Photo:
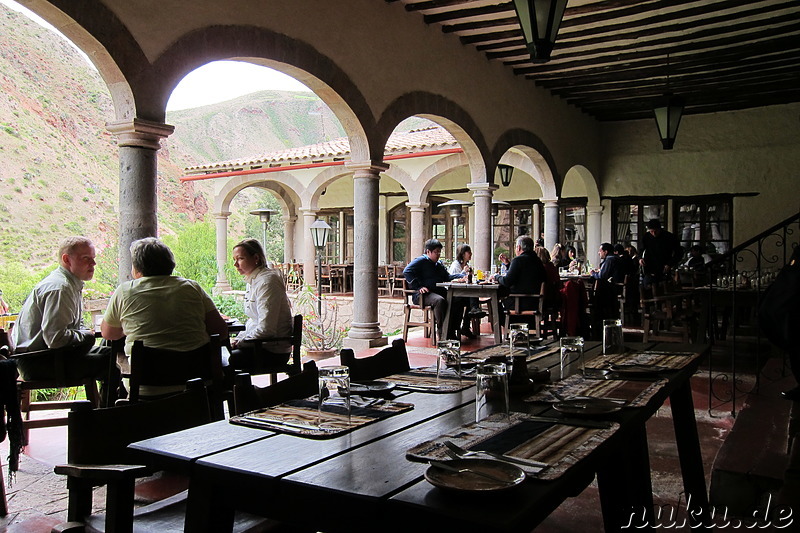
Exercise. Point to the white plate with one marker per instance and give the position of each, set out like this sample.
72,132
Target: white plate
471,482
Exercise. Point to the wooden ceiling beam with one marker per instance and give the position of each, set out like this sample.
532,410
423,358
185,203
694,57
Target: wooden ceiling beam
461,14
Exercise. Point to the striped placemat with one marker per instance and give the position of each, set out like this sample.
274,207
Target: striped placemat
636,393
668,360
558,445
426,381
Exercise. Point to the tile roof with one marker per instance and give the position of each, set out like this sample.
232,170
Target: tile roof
405,142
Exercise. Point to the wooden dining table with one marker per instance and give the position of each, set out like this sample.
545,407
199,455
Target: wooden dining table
361,481
476,290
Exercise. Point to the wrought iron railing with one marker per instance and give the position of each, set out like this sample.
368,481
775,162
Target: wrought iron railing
737,283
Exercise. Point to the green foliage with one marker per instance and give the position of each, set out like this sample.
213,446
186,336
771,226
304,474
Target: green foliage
106,270
230,307
17,282
64,195
195,253
74,227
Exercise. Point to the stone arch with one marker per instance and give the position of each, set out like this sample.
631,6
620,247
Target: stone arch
107,43
267,48
537,160
447,114
585,176
310,195
427,177
282,183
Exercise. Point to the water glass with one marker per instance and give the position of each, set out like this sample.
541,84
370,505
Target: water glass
491,392
612,337
334,391
571,356
449,356
518,339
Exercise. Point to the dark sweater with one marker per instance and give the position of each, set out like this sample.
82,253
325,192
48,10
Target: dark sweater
422,272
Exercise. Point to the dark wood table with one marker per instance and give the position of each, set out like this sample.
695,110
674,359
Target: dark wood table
361,481
475,290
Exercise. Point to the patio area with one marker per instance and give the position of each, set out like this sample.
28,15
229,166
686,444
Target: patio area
38,498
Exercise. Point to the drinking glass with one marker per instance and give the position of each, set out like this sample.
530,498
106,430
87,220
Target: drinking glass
571,356
518,338
612,337
491,393
334,391
449,356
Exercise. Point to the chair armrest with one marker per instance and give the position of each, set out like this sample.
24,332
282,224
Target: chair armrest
102,472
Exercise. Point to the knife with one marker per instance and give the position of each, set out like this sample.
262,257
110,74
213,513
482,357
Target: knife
599,424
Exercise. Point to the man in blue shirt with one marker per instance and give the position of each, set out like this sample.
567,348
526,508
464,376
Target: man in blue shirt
422,275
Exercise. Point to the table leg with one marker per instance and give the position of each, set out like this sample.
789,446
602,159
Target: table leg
626,492
446,326
691,460
498,333
205,509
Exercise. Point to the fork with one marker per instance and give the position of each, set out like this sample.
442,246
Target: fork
451,468
461,452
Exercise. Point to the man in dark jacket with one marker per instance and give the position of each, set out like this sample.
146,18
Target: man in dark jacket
525,274
661,253
422,275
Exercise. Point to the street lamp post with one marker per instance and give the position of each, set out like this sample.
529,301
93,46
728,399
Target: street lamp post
263,215
319,236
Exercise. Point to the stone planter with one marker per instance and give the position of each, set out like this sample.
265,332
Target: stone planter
319,355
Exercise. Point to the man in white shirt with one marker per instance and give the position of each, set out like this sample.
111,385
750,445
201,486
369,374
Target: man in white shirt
51,318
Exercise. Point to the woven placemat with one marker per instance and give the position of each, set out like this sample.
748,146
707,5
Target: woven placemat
302,418
423,380
668,360
517,435
636,393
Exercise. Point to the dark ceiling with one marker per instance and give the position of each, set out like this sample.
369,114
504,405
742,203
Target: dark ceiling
610,58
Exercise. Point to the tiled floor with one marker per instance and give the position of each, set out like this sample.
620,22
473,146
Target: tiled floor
37,499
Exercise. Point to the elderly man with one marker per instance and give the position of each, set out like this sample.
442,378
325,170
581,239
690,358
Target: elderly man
160,309
525,273
422,275
51,317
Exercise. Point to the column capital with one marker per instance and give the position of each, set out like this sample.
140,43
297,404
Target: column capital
550,202
366,169
140,133
594,209
289,218
307,211
482,189
222,214
419,208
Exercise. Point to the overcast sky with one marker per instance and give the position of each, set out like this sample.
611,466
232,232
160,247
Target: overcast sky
211,83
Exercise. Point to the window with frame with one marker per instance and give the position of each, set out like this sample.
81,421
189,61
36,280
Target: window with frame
706,222
629,219
510,222
572,225
398,247
449,225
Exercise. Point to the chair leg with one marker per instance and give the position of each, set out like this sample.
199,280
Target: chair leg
406,318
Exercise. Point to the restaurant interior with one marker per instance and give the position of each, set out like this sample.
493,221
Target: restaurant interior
576,122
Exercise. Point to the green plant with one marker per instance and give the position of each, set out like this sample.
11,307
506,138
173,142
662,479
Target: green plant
230,307
320,331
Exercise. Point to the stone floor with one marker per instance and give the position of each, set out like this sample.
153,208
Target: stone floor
37,497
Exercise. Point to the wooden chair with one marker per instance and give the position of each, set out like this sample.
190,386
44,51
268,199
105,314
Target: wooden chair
262,365
391,360
158,367
248,397
519,310
658,316
98,454
428,319
397,280
26,387
384,280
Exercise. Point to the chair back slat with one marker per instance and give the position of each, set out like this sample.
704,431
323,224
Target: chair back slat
391,360
248,397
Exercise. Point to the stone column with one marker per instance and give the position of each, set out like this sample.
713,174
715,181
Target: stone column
550,222
288,238
139,142
594,221
365,331
537,221
222,252
309,253
482,245
416,227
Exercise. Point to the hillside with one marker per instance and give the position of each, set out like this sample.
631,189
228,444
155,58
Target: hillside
59,171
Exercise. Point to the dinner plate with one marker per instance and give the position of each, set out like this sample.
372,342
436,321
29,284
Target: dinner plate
636,369
508,475
587,407
365,388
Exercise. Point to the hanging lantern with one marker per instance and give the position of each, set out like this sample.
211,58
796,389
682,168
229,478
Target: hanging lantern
668,111
506,171
539,21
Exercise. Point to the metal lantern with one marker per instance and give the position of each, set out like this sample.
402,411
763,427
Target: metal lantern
668,111
539,21
319,233
506,172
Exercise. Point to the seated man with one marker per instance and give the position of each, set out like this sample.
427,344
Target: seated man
611,267
422,275
160,309
610,276
525,274
51,317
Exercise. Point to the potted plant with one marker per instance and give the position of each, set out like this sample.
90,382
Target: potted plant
322,334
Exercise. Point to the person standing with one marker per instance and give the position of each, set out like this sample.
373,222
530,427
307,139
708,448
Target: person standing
422,275
52,317
661,252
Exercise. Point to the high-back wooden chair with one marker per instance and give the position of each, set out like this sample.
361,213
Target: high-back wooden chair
248,397
428,320
391,360
527,308
385,275
263,365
